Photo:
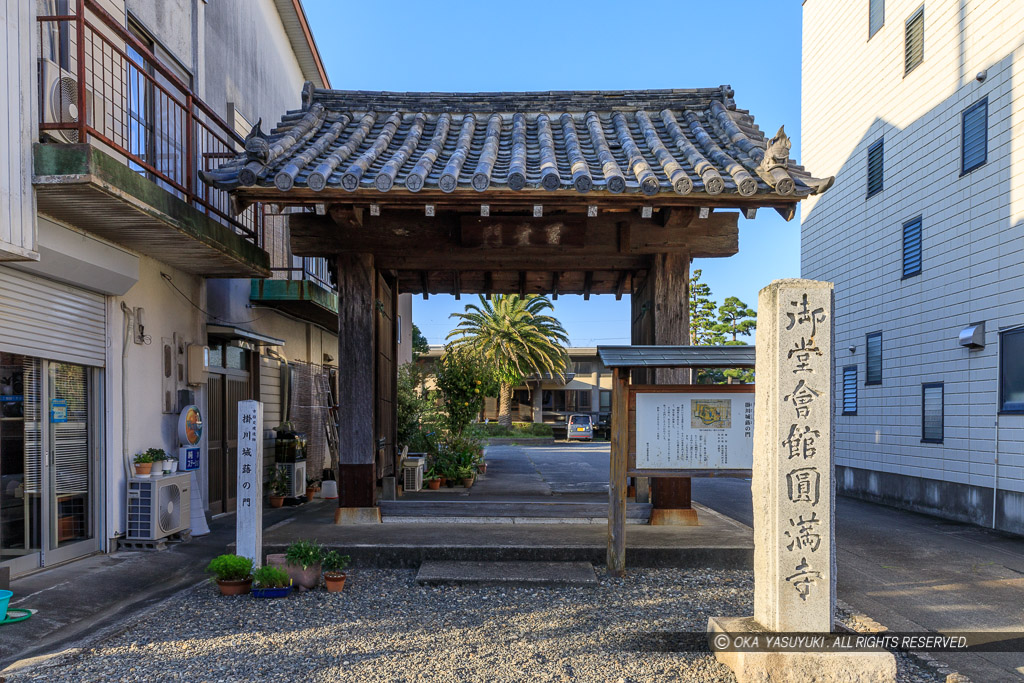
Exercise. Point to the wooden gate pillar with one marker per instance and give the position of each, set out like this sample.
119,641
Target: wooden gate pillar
357,479
669,286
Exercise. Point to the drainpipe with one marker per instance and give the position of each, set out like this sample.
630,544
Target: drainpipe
995,473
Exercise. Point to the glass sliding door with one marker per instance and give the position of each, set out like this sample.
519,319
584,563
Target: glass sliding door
21,462
48,461
71,448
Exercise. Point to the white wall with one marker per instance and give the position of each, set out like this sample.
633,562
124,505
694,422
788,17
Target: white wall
18,128
166,312
855,92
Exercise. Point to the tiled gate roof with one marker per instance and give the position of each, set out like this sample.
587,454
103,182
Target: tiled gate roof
652,142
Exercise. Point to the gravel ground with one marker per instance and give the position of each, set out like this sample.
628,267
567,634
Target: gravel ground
384,627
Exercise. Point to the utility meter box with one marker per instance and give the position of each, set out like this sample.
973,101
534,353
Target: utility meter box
198,363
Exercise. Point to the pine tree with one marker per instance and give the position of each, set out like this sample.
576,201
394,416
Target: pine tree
735,319
702,314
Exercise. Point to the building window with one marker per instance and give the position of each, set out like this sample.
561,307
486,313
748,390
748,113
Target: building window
931,412
1011,371
914,47
850,390
873,372
583,367
974,137
912,247
876,163
606,400
876,16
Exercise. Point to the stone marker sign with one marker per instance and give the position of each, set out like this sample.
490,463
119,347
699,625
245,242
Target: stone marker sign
249,517
792,485
794,585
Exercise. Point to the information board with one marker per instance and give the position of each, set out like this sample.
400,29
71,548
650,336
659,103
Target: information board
700,431
249,516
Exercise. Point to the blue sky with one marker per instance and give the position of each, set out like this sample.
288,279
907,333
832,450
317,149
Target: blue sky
598,45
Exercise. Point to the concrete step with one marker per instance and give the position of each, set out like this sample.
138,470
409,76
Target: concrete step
506,512
439,572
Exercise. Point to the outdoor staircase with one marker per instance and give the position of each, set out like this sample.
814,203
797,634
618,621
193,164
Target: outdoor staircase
506,512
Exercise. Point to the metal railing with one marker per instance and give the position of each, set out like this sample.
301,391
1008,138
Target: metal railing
100,83
312,269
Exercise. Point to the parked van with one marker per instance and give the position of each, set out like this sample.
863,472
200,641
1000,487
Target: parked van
579,427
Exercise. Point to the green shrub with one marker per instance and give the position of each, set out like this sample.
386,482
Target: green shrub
464,381
230,567
518,429
304,553
271,577
334,563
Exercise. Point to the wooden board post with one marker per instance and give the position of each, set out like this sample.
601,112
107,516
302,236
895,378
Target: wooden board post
617,482
249,518
357,481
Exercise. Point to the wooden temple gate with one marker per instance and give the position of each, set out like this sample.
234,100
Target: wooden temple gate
528,193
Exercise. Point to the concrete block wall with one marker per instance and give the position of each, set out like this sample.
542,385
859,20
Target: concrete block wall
855,92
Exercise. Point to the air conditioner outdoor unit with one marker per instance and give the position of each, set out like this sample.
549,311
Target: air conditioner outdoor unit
158,507
412,474
294,478
58,95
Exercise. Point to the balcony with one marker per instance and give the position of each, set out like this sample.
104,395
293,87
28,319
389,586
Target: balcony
125,139
301,287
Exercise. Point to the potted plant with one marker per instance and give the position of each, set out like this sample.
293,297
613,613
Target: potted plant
233,574
312,486
481,466
334,565
302,562
466,475
433,479
271,582
278,487
143,464
161,461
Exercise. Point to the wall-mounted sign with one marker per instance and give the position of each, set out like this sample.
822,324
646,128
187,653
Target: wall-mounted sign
190,426
682,431
58,410
188,458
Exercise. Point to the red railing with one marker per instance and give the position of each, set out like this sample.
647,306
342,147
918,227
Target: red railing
100,83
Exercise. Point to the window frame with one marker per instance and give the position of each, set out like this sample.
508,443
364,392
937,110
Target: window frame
983,103
871,34
925,386
867,359
856,397
1003,410
919,12
920,238
880,145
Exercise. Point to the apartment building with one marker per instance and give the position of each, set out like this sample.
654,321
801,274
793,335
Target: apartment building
917,108
129,289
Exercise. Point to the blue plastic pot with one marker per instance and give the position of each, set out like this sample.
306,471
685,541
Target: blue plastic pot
271,592
5,598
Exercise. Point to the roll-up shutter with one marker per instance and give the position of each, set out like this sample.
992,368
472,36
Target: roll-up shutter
46,319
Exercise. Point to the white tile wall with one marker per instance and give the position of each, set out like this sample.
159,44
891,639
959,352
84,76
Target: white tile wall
855,91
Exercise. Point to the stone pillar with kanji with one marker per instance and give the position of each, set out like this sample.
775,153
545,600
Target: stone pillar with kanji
794,544
793,497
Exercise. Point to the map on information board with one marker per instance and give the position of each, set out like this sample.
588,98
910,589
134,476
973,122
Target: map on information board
694,431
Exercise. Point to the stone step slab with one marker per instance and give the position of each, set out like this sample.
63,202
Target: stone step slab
461,573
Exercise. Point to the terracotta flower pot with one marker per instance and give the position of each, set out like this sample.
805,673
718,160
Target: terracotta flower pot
143,469
310,493
434,484
304,579
276,501
441,481
240,587
334,582
481,468
467,482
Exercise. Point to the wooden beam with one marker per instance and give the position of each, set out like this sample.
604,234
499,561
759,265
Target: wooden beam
356,377
554,285
588,282
504,232
457,284
616,558
522,283
488,284
425,284
620,286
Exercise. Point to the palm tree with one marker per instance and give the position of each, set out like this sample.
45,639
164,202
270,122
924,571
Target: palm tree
516,337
